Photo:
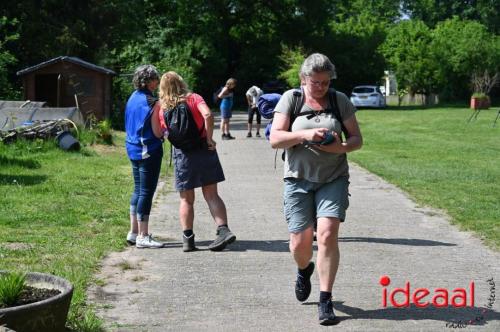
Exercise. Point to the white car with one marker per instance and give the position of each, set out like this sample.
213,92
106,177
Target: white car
367,96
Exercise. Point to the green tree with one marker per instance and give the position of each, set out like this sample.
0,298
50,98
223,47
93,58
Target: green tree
358,29
409,54
181,59
7,59
432,12
465,48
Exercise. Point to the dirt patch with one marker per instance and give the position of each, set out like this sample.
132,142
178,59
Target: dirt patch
17,246
103,149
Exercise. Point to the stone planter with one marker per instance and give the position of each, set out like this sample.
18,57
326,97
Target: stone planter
43,316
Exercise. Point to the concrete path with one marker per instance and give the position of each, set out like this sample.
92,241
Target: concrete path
249,286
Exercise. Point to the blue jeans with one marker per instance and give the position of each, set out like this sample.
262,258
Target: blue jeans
145,173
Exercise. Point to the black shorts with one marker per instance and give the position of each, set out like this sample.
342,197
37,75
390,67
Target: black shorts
251,111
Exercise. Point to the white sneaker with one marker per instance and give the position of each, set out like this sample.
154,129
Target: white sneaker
147,241
131,237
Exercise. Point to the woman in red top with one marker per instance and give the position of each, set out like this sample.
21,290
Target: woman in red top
195,168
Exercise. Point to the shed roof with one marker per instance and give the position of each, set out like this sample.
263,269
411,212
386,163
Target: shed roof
71,59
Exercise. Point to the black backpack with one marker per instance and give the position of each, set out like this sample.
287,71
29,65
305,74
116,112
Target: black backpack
183,132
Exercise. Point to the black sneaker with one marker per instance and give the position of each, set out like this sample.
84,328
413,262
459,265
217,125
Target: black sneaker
326,315
188,243
228,136
303,283
224,136
257,134
249,134
223,238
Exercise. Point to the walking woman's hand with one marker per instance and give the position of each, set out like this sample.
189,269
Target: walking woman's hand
334,147
315,134
211,144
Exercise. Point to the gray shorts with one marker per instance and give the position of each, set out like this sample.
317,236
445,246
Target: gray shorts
305,201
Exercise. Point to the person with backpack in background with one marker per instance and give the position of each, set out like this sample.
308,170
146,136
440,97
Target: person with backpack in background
144,144
190,124
226,106
253,94
316,173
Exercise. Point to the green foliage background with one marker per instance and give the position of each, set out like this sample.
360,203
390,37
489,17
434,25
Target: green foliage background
433,46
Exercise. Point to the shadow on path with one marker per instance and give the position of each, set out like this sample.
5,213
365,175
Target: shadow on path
282,245
475,315
405,242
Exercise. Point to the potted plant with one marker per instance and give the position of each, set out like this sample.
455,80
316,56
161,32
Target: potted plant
34,301
479,100
482,83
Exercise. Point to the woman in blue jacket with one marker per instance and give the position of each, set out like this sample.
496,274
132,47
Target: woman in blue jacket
144,145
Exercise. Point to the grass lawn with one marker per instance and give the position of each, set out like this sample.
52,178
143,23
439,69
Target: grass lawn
440,160
60,212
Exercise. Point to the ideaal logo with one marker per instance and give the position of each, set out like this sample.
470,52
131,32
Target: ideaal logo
423,297
440,298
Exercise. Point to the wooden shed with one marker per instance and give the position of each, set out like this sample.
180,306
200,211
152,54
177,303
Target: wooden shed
68,82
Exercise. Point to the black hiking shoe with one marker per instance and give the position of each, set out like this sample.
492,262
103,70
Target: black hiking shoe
326,315
188,243
303,283
223,238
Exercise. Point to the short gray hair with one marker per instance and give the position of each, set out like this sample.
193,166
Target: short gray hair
317,63
143,75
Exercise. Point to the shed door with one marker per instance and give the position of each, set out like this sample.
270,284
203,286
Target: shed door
46,88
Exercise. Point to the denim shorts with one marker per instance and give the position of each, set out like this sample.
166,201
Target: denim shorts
305,201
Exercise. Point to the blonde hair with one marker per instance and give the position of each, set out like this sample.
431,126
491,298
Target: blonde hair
173,90
231,83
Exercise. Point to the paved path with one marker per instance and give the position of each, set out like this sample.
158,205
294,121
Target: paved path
249,286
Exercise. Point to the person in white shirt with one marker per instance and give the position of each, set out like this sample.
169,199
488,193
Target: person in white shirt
253,95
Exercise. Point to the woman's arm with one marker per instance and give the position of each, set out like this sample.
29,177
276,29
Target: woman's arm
209,124
282,138
155,121
250,101
224,92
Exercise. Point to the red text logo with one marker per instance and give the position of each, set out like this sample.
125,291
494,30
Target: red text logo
423,297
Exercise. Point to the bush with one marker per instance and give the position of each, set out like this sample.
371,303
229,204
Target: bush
104,133
98,132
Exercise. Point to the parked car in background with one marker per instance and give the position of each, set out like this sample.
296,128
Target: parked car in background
368,96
